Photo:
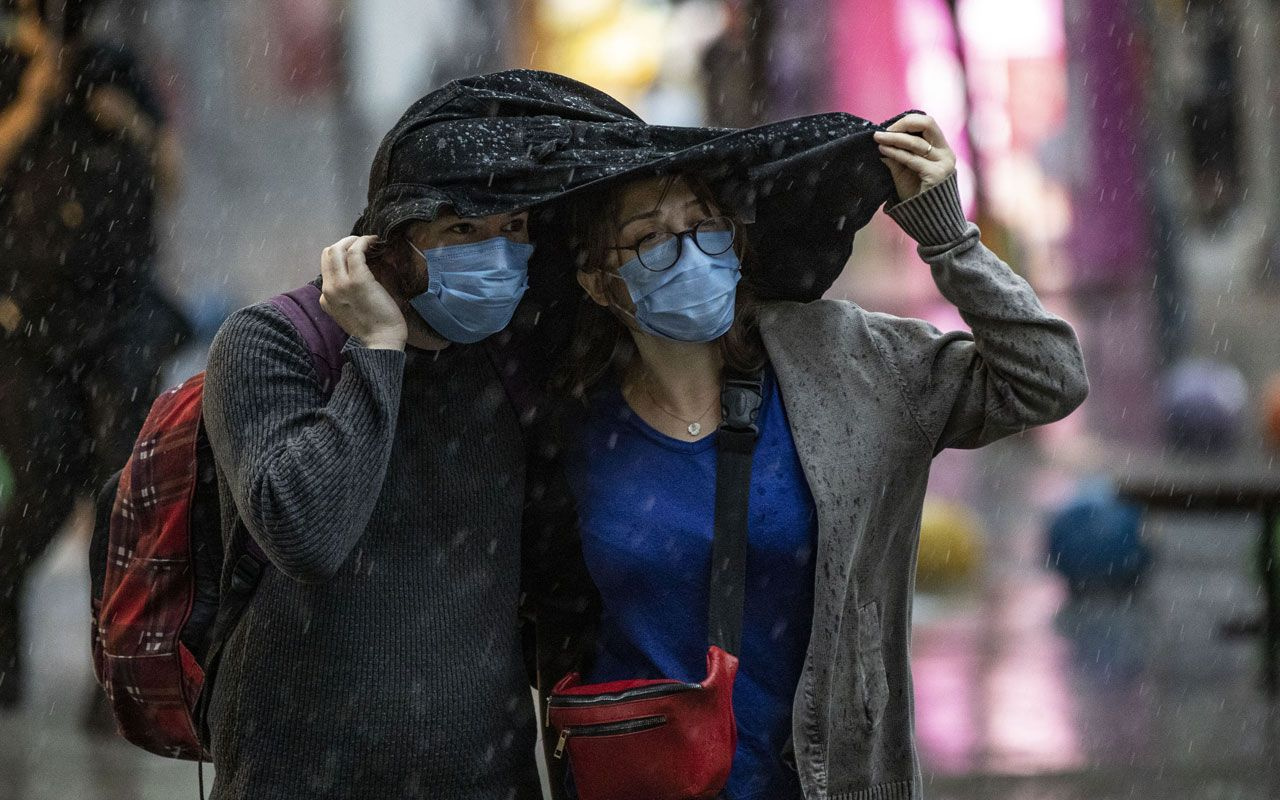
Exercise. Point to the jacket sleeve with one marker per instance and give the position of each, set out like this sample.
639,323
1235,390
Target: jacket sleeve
304,470
1020,367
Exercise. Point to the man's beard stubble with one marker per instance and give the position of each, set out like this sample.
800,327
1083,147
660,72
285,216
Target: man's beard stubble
405,280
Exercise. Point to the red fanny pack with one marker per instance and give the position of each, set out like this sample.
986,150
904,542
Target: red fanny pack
667,739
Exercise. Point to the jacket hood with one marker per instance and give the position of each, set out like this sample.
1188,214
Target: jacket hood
522,139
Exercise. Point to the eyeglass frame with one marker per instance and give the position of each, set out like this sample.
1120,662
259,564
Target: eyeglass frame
679,237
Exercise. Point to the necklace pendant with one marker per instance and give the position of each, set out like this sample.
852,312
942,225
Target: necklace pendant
695,428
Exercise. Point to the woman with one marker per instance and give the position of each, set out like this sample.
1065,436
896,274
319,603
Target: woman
856,405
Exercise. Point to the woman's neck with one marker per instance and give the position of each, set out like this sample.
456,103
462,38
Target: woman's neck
682,377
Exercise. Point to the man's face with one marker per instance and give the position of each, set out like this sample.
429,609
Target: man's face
449,229
406,281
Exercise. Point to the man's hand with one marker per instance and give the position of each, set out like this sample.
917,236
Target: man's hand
917,162
353,297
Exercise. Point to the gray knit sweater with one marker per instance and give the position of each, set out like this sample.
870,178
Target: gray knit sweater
380,656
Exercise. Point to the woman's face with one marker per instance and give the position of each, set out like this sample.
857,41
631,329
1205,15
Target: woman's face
645,207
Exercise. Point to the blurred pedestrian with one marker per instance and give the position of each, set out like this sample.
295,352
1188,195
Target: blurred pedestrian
85,153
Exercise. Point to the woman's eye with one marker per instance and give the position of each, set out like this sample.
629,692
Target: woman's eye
462,228
514,226
646,239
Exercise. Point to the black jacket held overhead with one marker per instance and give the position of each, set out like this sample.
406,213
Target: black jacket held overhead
523,138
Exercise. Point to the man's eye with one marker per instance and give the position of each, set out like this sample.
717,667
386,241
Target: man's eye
515,226
462,228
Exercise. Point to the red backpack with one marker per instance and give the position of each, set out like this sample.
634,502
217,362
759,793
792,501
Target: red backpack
157,555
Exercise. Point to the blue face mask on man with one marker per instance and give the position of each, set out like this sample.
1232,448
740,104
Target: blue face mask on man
693,299
473,289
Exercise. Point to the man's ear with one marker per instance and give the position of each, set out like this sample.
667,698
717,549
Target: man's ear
398,267
593,284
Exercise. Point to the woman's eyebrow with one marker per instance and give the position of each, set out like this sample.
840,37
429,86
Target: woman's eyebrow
643,215
655,212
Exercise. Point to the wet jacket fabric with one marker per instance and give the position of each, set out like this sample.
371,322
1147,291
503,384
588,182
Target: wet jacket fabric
516,139
871,398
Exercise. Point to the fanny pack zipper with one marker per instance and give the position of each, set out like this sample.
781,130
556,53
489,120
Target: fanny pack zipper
608,729
660,690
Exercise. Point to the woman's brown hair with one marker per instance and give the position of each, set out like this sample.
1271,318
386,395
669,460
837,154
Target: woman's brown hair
600,341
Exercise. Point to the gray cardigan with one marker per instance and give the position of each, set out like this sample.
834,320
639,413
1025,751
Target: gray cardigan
871,399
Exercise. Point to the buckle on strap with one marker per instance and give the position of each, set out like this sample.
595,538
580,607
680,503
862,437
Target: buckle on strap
740,401
245,574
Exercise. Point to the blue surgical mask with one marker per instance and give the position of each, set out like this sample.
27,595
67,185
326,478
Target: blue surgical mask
473,289
690,301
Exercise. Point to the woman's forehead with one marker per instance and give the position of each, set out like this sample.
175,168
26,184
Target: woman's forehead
647,193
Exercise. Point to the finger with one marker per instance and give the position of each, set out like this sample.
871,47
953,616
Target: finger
340,252
922,124
909,142
327,276
913,123
895,169
332,268
920,165
358,258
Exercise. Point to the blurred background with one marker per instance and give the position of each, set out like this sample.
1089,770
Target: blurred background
1072,640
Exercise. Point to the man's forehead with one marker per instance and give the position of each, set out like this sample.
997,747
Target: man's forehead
448,216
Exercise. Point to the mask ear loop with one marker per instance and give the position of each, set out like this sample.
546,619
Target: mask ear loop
631,315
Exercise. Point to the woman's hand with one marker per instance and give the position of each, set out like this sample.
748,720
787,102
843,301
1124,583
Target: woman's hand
353,297
917,162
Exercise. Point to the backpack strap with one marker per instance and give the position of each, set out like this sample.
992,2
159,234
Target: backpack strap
324,339
740,400
321,333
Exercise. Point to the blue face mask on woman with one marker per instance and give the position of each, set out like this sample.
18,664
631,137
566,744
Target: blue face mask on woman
693,299
473,289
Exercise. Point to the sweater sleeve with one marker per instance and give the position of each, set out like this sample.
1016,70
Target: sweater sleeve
304,470
1020,367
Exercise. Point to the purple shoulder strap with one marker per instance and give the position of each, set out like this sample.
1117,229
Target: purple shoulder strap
324,339
323,336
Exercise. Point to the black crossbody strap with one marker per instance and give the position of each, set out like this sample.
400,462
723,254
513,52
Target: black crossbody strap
740,401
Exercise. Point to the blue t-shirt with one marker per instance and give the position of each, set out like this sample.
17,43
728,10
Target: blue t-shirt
647,503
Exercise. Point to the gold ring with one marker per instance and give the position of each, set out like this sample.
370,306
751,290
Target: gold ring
930,150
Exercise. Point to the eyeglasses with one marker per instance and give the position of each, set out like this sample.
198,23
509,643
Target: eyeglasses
660,250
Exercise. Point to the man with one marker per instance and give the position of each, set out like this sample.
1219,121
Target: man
380,656
83,332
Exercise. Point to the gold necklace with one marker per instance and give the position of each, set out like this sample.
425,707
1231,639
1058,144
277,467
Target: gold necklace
694,426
